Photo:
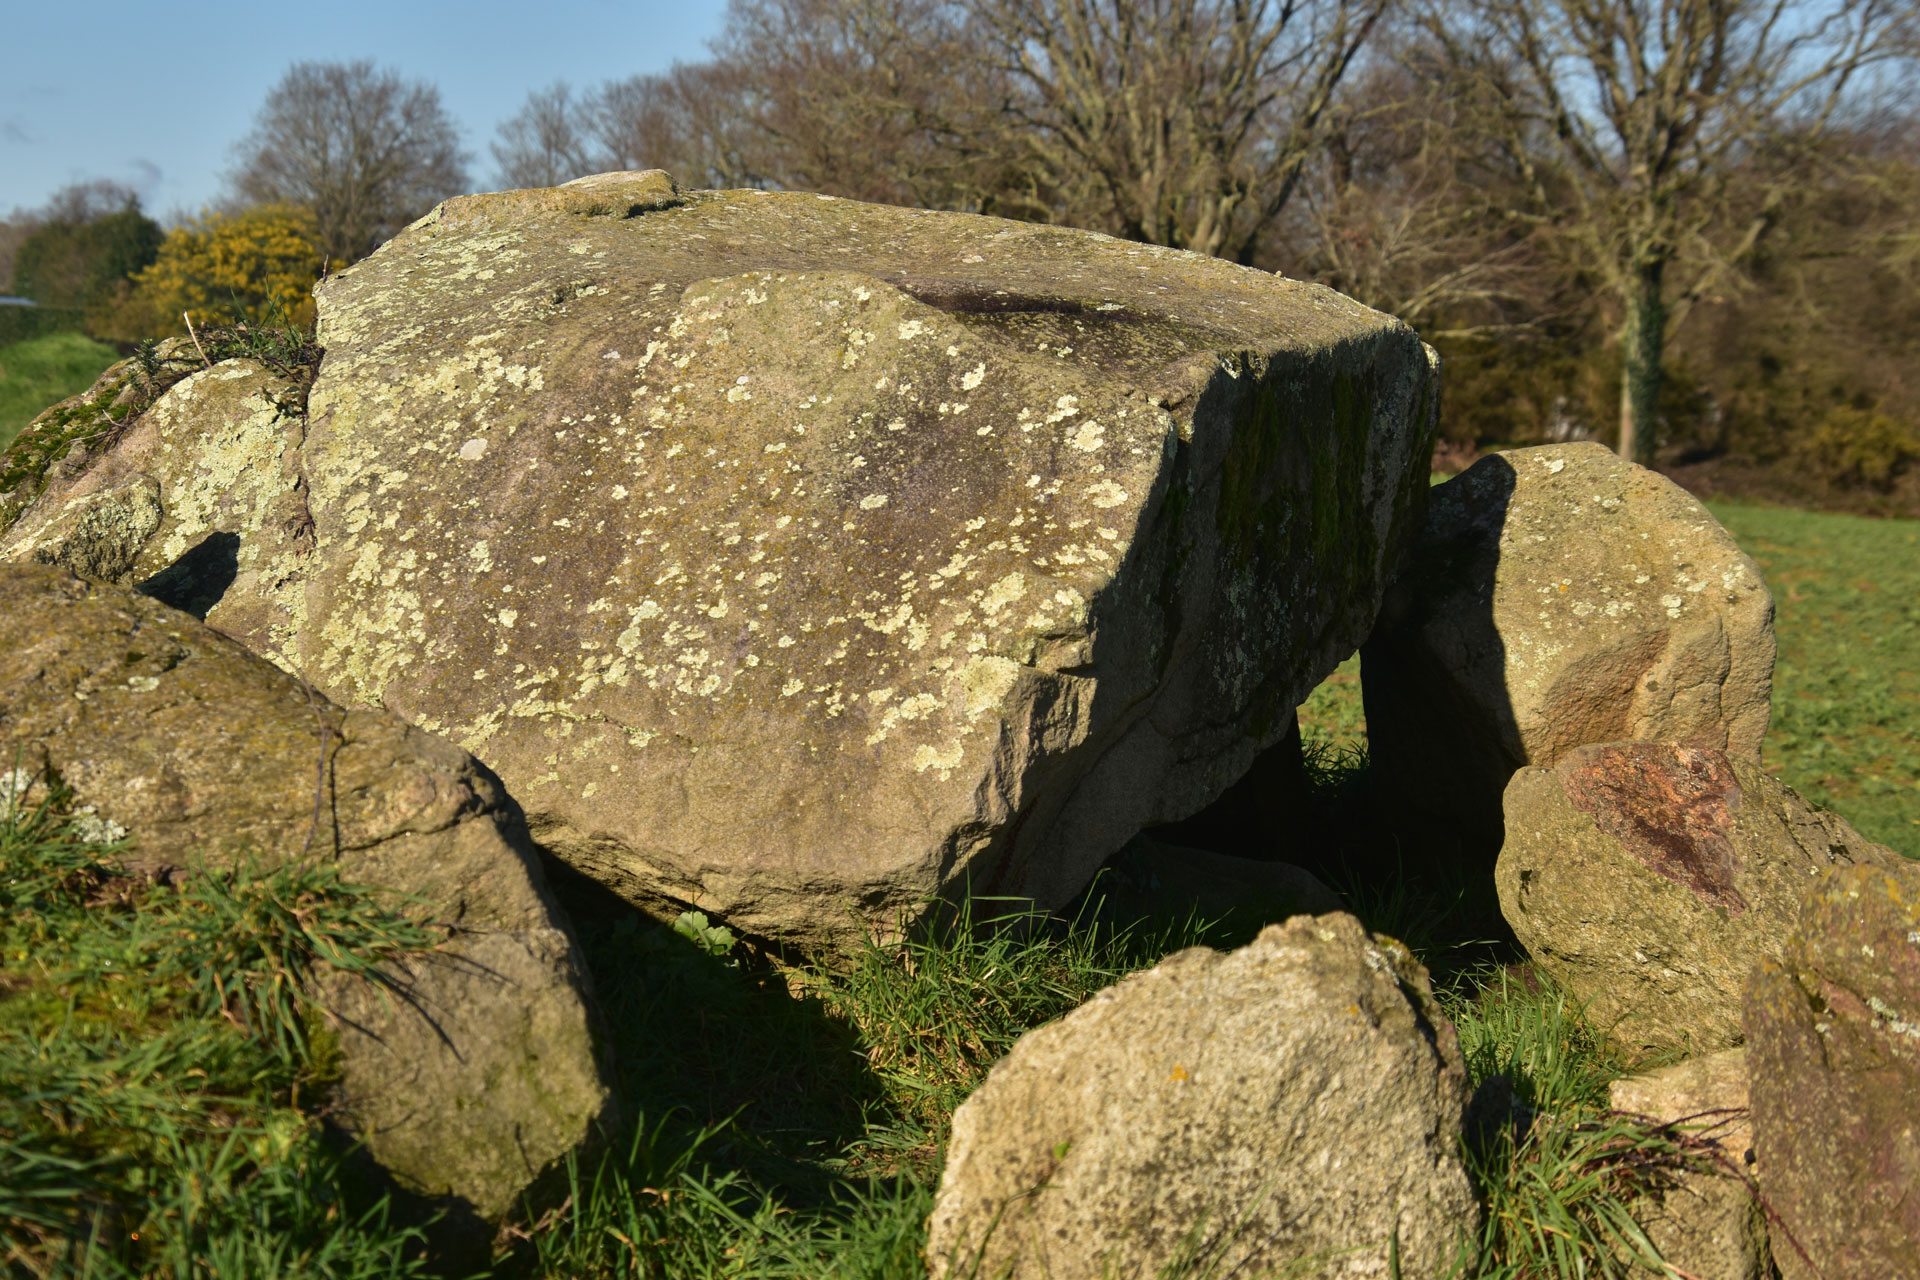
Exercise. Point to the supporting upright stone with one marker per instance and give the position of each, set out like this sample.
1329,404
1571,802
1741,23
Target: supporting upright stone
1559,596
1649,879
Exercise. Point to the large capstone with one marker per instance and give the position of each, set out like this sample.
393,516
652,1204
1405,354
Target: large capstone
801,560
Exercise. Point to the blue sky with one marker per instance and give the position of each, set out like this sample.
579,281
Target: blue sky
156,97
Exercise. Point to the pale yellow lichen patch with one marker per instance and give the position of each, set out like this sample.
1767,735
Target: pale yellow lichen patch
234,475
1004,592
942,758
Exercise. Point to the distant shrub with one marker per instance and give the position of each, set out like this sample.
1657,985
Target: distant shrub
79,264
24,324
1861,447
247,268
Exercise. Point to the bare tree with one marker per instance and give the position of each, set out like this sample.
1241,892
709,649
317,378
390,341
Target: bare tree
1399,209
1178,122
1628,120
544,143
694,121
882,100
364,149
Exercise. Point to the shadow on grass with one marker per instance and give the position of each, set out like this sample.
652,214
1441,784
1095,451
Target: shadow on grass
800,1114
721,1047
1426,882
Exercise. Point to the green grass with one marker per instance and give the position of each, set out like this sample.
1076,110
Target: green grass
1846,687
160,1070
44,371
797,1115
155,1047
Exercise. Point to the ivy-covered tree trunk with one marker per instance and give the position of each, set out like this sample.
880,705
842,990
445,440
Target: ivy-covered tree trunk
1643,342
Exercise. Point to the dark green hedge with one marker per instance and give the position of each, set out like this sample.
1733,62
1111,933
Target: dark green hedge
18,324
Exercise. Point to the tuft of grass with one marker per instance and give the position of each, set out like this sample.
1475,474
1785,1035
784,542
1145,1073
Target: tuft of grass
155,1044
1561,1176
281,343
44,371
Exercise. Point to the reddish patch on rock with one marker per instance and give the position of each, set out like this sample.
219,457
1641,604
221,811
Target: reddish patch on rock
1668,806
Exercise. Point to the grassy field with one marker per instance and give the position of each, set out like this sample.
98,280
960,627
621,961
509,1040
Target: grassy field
783,1121
1846,687
45,371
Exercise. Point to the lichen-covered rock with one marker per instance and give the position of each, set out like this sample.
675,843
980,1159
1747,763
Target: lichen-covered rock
798,559
198,497
1292,1107
66,438
1649,878
1559,596
1707,1222
1833,1048
484,1074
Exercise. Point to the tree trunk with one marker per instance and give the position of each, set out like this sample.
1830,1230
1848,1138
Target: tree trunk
1643,343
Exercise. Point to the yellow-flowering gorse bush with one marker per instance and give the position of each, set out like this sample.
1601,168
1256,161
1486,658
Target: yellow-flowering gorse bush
254,267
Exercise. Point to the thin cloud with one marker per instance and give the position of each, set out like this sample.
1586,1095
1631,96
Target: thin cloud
15,132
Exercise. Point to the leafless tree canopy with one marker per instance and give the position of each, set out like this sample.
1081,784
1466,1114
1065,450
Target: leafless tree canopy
1184,122
543,144
691,120
365,149
1628,121
1570,182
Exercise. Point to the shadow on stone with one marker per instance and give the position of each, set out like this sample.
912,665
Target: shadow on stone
199,578
1439,758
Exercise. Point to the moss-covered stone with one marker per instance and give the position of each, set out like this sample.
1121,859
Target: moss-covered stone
473,1076
1833,1029
65,437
